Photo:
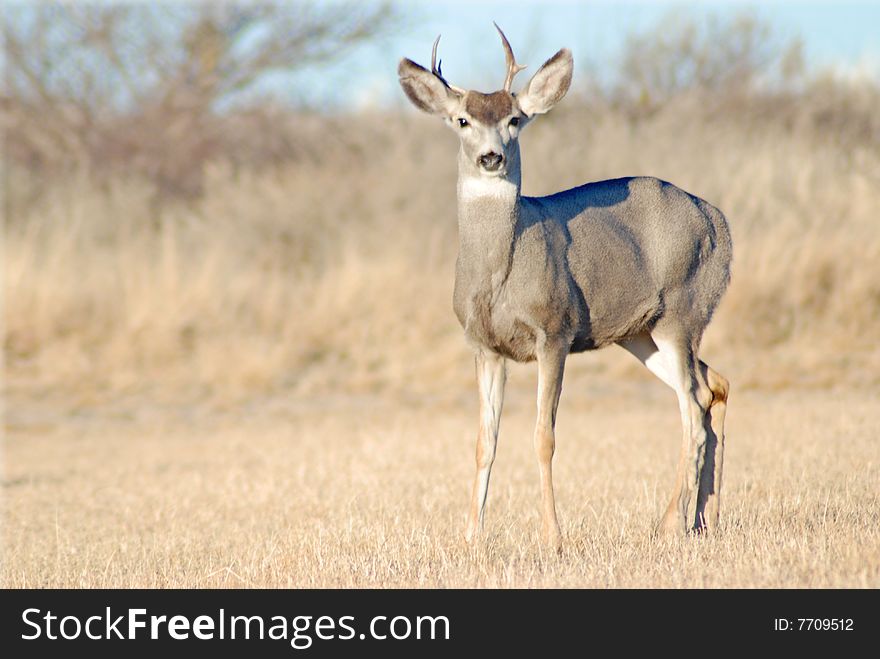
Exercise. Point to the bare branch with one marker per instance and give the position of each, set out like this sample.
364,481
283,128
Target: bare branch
145,86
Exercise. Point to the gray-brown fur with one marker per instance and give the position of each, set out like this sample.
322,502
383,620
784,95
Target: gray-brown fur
635,262
488,108
592,265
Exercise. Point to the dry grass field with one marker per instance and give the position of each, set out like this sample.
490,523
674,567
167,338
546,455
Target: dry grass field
370,491
266,385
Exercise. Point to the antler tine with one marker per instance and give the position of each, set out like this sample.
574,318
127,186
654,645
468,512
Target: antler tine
435,68
512,67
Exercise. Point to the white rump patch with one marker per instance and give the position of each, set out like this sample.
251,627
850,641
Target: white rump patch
484,186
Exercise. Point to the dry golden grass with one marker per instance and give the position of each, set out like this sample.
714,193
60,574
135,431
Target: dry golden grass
268,387
370,491
338,274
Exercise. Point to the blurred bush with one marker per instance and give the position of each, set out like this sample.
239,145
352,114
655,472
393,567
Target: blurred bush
161,89
737,69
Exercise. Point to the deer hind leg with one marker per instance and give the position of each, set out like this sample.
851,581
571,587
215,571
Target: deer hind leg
491,376
551,365
709,496
673,361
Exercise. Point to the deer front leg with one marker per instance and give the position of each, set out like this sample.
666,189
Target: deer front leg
491,375
551,364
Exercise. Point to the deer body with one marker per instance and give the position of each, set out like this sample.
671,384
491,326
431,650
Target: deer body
635,262
593,265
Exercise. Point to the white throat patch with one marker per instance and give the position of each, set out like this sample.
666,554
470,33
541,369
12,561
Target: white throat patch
474,187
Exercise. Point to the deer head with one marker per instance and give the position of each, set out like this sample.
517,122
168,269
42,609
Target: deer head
488,125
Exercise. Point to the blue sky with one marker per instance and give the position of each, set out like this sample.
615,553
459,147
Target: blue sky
841,35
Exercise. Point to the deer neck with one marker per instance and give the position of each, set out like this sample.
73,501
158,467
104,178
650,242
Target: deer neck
488,211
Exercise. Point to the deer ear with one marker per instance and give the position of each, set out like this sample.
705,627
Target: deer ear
426,91
548,85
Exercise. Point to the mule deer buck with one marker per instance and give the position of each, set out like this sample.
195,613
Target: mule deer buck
635,262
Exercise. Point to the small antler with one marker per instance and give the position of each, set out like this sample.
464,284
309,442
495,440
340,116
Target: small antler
512,67
435,68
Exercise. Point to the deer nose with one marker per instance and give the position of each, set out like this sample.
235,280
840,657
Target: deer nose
491,161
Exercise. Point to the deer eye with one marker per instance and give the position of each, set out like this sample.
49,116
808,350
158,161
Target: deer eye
463,123
514,121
